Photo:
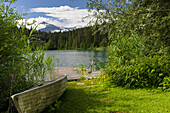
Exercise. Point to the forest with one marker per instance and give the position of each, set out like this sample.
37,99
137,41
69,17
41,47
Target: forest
136,33
82,38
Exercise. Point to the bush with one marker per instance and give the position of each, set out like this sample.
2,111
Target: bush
130,65
20,67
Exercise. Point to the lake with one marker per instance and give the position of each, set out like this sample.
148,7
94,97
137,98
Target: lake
75,58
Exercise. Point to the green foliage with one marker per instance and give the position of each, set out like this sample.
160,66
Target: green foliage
103,43
98,64
20,67
82,45
82,78
148,18
54,107
81,38
165,85
81,66
144,17
138,32
128,65
49,67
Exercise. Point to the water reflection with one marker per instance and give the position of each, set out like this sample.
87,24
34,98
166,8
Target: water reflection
76,57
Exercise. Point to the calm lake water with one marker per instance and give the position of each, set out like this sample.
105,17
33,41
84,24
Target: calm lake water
75,58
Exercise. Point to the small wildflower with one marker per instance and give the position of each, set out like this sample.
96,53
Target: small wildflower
132,60
136,70
13,75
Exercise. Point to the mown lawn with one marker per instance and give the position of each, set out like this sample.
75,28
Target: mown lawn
90,98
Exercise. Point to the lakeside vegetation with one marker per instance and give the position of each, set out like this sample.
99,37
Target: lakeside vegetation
139,50
94,97
137,34
20,68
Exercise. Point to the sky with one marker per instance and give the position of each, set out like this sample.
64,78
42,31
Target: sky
61,13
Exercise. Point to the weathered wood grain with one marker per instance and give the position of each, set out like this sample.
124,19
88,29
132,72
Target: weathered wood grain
71,73
38,98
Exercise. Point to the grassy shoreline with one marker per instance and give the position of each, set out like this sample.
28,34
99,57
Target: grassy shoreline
97,49
93,97
100,49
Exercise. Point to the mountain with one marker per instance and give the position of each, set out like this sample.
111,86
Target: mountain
49,27
53,28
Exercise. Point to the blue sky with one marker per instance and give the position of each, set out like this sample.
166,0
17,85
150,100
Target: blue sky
62,13
23,6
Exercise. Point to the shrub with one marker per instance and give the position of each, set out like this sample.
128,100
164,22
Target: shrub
20,67
130,65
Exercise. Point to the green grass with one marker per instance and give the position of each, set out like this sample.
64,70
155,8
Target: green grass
100,99
101,49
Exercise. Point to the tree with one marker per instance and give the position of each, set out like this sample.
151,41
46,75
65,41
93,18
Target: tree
149,18
138,31
66,45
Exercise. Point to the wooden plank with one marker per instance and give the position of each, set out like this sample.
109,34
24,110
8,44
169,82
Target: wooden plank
39,98
71,73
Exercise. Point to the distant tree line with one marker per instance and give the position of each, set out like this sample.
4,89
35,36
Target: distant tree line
82,38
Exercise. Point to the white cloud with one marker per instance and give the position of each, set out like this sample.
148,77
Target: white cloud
38,20
63,16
